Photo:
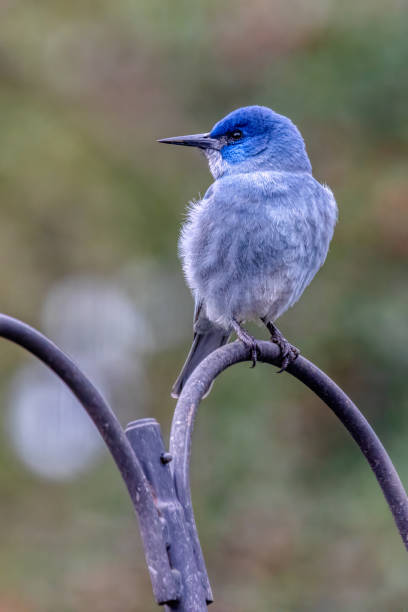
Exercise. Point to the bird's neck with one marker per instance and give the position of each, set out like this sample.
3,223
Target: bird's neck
220,167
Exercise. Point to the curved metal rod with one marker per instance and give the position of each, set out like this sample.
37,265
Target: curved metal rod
317,381
111,432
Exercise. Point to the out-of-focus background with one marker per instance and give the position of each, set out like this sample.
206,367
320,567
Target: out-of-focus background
289,515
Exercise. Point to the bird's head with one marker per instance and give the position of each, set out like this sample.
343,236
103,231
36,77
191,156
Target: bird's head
249,139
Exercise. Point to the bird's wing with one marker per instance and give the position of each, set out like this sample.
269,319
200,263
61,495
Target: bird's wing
201,324
197,309
207,338
264,218
268,225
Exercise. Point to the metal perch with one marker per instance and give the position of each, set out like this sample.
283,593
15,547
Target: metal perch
158,482
317,381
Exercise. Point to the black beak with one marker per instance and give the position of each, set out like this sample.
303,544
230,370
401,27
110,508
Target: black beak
202,141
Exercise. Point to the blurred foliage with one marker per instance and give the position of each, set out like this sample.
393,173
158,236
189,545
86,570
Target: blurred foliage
289,515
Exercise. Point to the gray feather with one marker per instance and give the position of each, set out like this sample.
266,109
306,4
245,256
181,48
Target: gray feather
203,345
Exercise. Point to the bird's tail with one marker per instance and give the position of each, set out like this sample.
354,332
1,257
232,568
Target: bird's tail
203,345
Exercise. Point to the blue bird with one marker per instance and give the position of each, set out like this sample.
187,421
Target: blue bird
254,242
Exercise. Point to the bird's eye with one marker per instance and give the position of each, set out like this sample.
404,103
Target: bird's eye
235,135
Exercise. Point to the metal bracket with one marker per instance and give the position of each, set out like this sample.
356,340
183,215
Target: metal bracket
146,440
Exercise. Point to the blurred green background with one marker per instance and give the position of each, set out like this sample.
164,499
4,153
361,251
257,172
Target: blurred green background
289,515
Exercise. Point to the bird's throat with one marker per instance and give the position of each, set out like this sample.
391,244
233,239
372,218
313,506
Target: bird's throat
218,166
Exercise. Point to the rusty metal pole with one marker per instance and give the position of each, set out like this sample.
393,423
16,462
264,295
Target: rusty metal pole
158,482
142,462
319,383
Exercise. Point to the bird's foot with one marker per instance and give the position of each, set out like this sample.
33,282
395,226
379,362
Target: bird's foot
288,352
248,340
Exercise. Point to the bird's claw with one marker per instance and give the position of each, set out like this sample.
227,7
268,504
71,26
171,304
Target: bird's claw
251,343
288,352
253,347
288,355
254,354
